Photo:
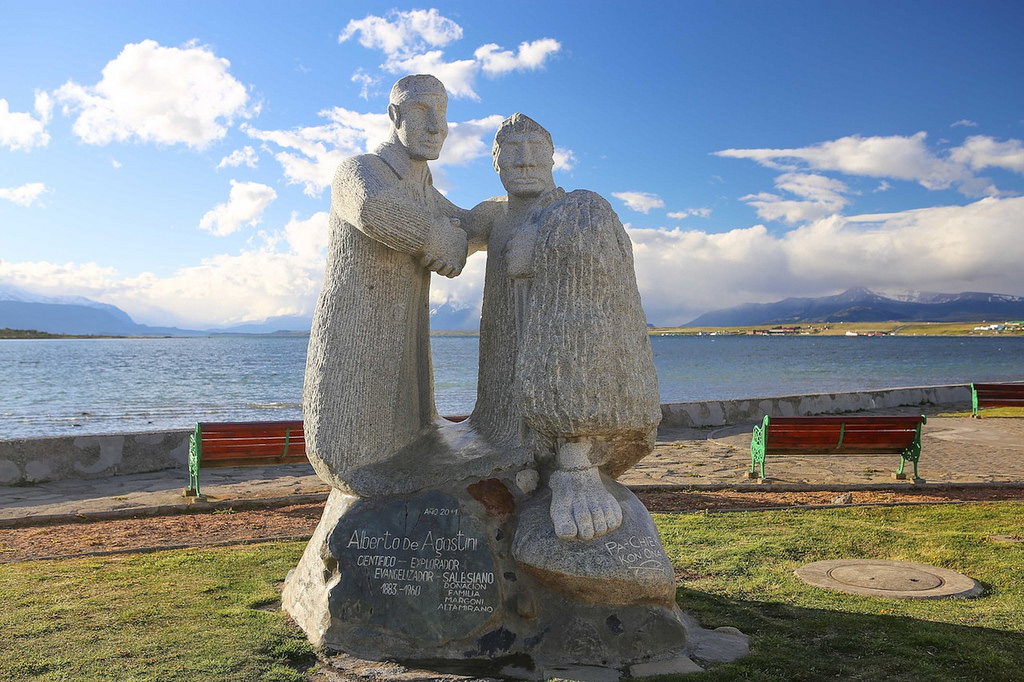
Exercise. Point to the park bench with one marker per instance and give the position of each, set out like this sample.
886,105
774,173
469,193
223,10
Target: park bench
237,444
838,436
996,395
234,444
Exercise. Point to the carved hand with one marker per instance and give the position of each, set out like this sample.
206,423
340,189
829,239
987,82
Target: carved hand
446,249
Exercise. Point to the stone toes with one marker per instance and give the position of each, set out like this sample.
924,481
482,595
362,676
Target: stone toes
600,521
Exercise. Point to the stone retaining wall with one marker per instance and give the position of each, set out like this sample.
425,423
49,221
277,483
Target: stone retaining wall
727,412
33,460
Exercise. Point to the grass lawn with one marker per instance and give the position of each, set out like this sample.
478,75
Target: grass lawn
212,614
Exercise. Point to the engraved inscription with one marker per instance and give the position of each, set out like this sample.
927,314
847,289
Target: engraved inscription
640,554
412,559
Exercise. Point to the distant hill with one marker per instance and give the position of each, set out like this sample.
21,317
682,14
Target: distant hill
20,309
447,317
863,305
272,325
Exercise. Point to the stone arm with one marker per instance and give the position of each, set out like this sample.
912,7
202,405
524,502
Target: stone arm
365,194
479,221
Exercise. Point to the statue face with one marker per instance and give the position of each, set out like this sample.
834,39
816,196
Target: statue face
524,164
422,126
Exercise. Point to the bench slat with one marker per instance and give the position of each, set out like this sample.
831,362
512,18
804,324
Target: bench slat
253,461
228,451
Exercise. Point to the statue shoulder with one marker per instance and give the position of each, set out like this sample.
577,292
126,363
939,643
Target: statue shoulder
583,202
585,198
489,210
481,218
362,165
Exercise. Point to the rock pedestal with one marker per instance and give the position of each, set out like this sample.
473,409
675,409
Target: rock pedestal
469,576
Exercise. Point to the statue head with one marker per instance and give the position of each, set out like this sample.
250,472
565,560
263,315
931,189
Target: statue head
417,109
523,156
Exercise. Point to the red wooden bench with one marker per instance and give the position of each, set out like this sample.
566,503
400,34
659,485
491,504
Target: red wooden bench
236,444
838,436
233,444
996,395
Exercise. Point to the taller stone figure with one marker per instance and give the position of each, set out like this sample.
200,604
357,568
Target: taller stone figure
369,382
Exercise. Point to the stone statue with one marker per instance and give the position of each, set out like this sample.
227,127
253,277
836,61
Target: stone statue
562,315
437,545
369,380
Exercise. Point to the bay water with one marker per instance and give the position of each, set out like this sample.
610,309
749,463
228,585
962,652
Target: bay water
57,387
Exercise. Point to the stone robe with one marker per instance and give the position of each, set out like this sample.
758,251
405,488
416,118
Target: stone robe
369,380
577,361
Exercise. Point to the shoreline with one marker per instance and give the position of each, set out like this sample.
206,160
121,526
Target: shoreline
843,329
24,461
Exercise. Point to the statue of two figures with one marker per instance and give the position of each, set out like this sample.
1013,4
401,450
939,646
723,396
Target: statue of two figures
502,541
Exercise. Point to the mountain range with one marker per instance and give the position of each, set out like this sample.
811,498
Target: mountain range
21,309
863,305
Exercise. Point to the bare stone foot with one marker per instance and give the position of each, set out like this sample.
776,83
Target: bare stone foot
581,507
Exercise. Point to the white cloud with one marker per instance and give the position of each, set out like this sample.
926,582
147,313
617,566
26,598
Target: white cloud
889,158
965,123
819,196
681,273
26,195
308,238
245,205
411,43
368,83
257,283
310,156
981,151
565,159
21,131
686,213
151,93
903,158
640,201
951,248
403,33
246,155
469,140
531,55
458,76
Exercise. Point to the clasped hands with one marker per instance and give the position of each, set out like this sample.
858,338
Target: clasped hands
446,248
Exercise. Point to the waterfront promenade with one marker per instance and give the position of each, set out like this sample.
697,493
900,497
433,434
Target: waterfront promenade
956,451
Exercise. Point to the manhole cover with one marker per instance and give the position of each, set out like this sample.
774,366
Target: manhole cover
892,579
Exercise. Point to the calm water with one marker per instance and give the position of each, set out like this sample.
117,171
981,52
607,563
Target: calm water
68,386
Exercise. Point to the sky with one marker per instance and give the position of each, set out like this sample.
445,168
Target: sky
175,159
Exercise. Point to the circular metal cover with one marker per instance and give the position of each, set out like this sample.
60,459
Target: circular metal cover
891,579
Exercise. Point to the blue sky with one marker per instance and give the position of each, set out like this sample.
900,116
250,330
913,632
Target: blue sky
174,159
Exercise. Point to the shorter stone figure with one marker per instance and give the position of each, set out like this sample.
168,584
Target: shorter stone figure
562,315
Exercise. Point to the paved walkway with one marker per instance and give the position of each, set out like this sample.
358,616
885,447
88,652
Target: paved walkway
955,451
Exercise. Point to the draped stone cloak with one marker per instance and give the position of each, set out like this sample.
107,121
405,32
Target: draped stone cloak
578,363
369,379
584,368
